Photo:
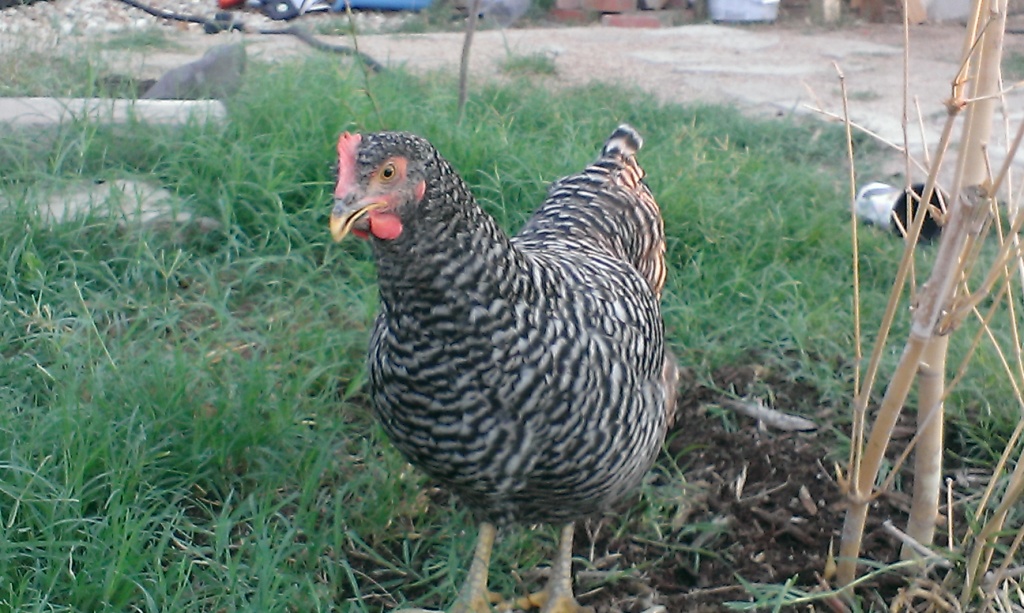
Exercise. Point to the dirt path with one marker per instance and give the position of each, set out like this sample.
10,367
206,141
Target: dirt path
771,69
765,70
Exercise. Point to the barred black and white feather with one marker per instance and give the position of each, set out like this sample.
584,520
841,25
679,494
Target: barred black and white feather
528,374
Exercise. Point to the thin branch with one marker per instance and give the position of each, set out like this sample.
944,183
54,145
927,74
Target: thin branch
363,65
467,43
860,407
923,550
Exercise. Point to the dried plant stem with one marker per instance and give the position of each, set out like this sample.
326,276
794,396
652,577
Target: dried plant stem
922,551
905,267
973,170
864,469
863,476
923,356
1004,570
858,418
932,300
467,44
983,548
365,68
928,454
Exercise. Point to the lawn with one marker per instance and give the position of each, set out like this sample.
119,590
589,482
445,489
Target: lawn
185,426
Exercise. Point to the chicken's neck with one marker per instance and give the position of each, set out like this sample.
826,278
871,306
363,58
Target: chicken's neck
450,252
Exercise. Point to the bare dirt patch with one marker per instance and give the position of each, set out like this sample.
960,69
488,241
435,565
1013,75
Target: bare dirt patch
772,493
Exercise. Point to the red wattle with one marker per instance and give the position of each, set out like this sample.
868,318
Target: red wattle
385,226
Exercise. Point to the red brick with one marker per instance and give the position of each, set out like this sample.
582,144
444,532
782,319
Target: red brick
630,20
568,4
569,15
610,6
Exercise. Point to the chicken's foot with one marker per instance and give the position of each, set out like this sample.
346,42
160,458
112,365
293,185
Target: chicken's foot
557,596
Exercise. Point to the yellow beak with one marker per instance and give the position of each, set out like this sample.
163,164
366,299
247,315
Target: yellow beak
345,216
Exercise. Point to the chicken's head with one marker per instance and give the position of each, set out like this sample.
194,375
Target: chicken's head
380,177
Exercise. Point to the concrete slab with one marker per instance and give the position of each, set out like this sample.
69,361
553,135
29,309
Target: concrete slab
28,112
127,203
127,200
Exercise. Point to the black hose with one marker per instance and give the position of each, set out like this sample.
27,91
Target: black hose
169,15
305,36
213,26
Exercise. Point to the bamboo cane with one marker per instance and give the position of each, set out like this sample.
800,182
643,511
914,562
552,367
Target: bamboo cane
924,355
467,44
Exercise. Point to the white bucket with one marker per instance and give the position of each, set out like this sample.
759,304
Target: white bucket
743,10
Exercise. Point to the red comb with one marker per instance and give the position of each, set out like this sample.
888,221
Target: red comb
348,144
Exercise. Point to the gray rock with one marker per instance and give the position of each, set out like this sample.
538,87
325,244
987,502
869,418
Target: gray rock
217,74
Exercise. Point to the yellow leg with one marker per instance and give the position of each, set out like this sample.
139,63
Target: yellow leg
474,596
558,593
556,597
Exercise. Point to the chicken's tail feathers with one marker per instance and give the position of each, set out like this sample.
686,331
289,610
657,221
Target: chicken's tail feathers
624,141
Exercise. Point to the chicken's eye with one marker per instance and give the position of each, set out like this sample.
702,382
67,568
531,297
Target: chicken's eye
388,172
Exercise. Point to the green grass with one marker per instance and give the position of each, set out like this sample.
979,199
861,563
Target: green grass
1013,66
73,69
141,40
529,64
36,68
185,426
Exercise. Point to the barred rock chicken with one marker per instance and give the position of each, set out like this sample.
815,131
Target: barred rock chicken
529,375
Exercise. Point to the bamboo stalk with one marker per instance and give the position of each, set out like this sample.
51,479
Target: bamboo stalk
924,355
467,44
928,454
862,485
974,171
933,298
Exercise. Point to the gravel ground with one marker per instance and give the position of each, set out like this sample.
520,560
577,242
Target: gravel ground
55,19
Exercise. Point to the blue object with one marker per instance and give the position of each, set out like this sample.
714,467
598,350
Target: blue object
384,5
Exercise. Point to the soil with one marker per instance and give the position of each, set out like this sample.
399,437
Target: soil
772,493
